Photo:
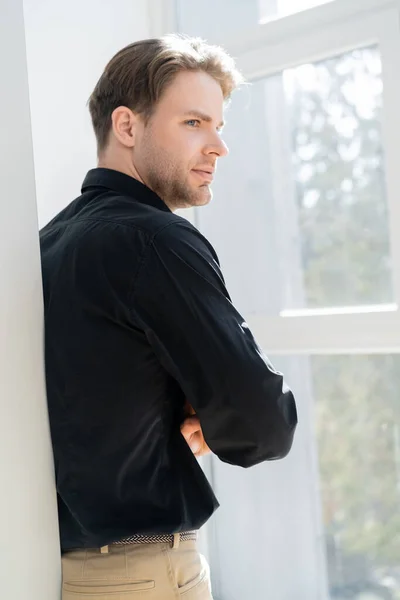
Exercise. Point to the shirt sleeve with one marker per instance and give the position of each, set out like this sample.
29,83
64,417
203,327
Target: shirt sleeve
247,413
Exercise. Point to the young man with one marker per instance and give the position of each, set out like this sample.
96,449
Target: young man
141,334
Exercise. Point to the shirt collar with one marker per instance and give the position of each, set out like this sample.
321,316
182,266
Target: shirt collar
123,184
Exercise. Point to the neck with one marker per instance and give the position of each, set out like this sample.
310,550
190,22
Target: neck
129,169
116,165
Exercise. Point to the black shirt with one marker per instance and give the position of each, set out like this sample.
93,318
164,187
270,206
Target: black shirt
138,319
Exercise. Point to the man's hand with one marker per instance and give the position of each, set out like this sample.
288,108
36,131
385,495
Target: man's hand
193,434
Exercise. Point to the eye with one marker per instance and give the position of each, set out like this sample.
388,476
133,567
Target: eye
193,123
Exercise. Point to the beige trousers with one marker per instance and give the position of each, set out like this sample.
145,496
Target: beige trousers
136,572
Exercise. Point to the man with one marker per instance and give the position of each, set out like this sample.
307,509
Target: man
141,334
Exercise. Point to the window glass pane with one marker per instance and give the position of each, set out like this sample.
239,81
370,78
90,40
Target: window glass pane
353,403
357,426
334,108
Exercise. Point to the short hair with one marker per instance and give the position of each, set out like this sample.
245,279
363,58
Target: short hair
137,76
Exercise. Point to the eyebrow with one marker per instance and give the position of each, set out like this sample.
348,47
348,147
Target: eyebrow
202,116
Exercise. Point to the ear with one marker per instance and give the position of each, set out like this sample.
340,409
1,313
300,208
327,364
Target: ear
124,125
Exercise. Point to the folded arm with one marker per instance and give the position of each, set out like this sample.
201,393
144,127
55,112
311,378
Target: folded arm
247,413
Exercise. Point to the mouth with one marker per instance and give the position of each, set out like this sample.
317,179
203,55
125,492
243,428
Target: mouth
205,176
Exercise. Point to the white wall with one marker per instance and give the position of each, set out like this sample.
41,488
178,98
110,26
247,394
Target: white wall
68,46
29,548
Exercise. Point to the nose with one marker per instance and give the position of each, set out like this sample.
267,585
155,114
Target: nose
217,147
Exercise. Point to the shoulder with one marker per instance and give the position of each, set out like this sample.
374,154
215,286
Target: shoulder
180,236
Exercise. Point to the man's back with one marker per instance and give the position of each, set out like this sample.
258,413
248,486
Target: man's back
122,466
138,320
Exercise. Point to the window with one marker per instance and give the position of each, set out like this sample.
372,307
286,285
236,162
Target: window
330,113
306,221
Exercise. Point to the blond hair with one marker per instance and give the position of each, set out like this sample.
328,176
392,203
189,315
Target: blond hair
139,73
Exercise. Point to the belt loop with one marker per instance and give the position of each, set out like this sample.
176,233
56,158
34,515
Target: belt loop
177,539
104,550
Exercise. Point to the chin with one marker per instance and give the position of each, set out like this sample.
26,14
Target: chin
203,200
194,200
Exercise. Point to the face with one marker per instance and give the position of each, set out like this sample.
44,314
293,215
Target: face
176,152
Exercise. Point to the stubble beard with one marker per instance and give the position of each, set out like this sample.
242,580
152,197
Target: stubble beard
175,191
169,182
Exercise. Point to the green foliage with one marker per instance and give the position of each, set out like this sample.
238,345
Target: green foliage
338,161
